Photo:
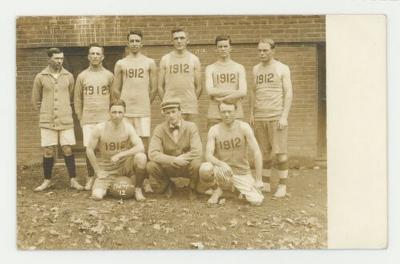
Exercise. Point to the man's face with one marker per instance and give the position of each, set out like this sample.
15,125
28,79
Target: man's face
172,115
223,48
117,113
228,113
135,43
56,61
179,40
95,56
265,52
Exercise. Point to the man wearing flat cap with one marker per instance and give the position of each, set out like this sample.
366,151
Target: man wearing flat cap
175,150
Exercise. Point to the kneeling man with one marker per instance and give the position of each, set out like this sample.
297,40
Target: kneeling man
121,153
226,155
175,150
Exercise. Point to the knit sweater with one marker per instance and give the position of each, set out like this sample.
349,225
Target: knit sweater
54,96
163,149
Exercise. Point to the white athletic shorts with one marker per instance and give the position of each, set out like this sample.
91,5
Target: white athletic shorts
51,137
87,131
141,125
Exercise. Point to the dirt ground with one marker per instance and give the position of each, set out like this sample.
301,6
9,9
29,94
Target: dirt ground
63,218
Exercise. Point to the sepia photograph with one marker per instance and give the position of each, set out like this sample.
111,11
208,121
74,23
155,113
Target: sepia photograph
200,131
171,132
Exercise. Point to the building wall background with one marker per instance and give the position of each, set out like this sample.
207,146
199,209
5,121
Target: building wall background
297,37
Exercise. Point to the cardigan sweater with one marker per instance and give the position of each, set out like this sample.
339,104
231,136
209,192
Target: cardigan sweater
54,97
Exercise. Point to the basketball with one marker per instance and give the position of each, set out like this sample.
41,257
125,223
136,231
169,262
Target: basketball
122,188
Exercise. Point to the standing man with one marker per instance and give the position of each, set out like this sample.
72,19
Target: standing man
180,76
226,155
225,81
269,109
175,150
135,82
121,153
52,94
92,98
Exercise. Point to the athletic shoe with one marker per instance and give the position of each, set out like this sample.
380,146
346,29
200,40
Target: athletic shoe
215,196
139,195
147,187
44,186
89,183
281,191
75,184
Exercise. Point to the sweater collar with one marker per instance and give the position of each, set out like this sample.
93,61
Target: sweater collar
47,71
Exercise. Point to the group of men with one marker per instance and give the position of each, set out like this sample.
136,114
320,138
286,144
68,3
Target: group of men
114,112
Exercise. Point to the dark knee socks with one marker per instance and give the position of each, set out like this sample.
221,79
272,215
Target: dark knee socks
70,163
48,167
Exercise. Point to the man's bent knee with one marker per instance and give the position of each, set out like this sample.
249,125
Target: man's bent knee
206,172
140,160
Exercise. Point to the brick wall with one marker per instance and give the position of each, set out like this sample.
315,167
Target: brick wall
111,30
297,37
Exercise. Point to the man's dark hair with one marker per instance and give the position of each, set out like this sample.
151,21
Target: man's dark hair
177,29
97,45
135,32
223,37
219,105
52,51
118,102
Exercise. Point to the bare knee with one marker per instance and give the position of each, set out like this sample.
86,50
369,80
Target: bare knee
282,158
66,149
48,152
206,172
140,160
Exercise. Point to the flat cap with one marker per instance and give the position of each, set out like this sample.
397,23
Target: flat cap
171,103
